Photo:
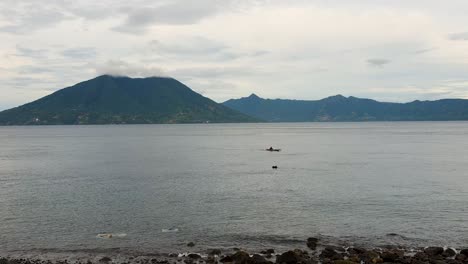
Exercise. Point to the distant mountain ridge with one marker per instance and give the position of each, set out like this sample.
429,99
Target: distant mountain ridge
122,100
341,108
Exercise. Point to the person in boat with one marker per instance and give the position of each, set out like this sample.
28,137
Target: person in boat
270,149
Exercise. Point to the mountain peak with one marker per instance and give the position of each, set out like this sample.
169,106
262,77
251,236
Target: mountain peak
253,96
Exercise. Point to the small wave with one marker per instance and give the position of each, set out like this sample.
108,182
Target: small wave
111,235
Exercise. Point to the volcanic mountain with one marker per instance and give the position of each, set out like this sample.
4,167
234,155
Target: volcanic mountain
122,100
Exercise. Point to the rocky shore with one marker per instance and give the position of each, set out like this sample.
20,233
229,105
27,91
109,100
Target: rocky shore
314,253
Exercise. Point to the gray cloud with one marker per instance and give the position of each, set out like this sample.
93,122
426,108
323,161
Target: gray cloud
24,82
212,72
421,51
176,12
29,16
123,68
377,62
189,48
459,36
80,53
29,69
30,53
198,47
192,45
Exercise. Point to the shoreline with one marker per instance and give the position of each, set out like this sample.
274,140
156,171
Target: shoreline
312,252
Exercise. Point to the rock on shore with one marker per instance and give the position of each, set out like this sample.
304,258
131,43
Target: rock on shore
316,253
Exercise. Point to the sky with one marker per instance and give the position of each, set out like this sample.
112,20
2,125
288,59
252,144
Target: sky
394,50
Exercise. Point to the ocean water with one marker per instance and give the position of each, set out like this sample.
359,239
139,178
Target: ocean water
154,188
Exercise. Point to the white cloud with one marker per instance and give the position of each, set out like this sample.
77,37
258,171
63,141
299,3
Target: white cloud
122,68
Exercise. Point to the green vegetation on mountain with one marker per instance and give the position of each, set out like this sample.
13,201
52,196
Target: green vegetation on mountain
122,100
340,108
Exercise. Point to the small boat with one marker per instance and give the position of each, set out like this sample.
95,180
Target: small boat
272,149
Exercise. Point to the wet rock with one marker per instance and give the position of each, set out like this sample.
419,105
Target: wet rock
105,259
226,259
434,251
391,255
464,252
190,244
356,251
422,256
336,248
194,256
257,259
354,259
3,261
188,261
241,257
461,257
448,253
452,261
173,255
312,243
330,253
367,256
293,257
341,261
211,259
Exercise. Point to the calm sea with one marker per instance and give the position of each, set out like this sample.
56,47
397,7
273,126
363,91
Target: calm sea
157,187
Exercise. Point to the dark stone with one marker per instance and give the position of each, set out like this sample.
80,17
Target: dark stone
434,251
173,255
226,259
448,253
3,261
194,256
312,243
257,259
369,256
287,258
389,256
190,244
356,251
293,257
330,253
105,259
464,252
188,261
241,257
461,257
420,256
452,261
341,261
211,259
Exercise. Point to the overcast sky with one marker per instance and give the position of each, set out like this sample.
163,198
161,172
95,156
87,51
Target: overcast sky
395,50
